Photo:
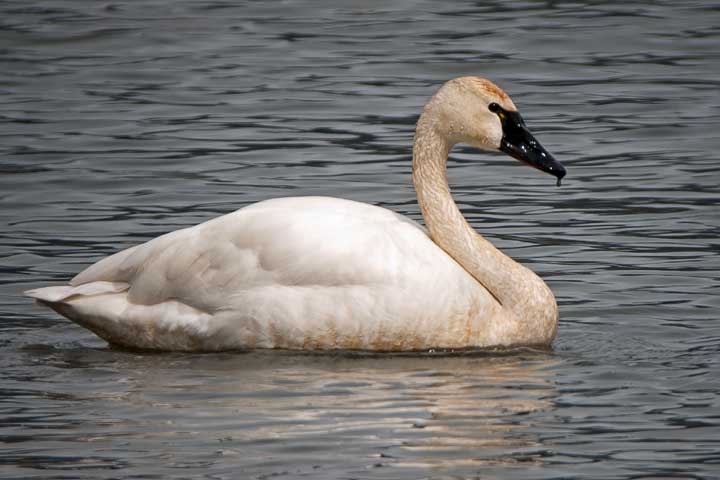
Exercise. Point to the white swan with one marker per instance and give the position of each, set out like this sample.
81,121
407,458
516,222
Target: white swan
325,273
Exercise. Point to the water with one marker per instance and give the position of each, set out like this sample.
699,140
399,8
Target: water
124,120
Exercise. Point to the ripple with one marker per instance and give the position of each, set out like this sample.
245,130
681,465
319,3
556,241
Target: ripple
121,122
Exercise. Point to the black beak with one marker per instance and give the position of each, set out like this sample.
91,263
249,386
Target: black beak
519,143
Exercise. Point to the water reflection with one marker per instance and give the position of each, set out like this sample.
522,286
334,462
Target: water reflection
409,412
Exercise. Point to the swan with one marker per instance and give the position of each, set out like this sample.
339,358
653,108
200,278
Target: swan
320,273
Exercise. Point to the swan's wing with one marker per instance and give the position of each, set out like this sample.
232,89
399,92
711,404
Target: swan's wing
307,272
115,268
293,241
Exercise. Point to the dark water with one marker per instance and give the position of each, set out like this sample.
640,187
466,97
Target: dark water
124,120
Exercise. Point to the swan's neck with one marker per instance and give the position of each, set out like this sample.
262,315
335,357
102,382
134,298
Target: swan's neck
515,287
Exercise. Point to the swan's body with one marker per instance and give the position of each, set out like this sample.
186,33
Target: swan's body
325,273
342,274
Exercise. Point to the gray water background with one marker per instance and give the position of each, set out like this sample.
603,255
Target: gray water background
120,121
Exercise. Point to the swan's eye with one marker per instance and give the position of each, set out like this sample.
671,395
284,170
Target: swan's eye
494,107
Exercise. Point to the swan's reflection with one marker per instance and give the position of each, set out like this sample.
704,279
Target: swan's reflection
264,409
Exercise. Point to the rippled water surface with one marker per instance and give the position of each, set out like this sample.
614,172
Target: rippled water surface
120,121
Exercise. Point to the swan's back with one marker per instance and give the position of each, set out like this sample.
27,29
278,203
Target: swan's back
304,272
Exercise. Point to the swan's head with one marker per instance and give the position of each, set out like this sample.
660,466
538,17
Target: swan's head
477,112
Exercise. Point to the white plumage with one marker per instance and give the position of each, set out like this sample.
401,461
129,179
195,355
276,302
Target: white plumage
301,273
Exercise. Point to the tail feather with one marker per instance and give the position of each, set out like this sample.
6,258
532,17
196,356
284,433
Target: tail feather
62,293
104,309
